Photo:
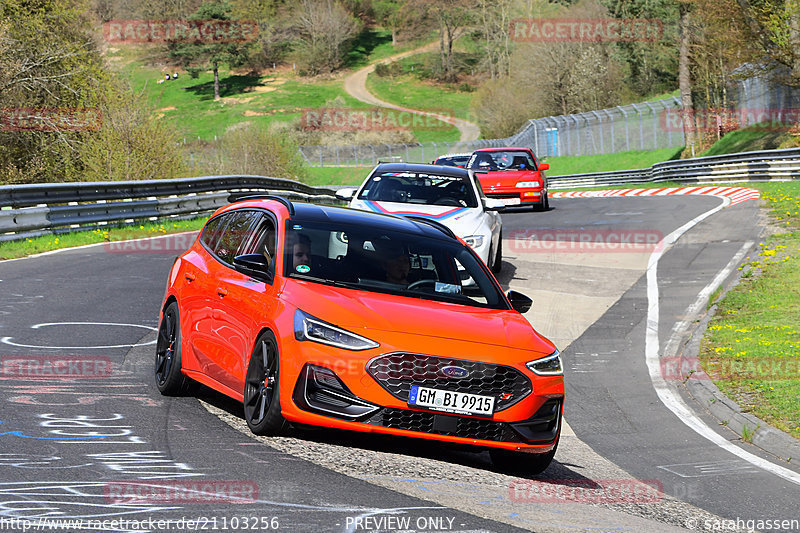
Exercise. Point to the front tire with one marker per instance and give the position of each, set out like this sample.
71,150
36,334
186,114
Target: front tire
521,462
169,379
497,263
262,402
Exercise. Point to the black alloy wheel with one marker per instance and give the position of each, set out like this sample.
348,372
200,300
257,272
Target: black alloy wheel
262,405
169,379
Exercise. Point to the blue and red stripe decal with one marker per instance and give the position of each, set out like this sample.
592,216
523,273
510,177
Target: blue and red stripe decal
376,207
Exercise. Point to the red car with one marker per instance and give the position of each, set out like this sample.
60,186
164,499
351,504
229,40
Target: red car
347,319
512,175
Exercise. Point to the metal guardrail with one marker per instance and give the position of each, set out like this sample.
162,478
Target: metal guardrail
39,209
763,165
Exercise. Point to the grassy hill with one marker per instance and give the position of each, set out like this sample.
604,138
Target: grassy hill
188,105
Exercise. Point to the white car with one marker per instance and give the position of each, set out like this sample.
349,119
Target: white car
449,195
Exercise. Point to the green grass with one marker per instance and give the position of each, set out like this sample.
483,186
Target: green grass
560,166
757,323
408,91
337,175
663,96
22,248
376,44
187,104
756,137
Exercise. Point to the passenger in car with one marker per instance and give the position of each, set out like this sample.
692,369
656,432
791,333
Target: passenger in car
395,262
301,250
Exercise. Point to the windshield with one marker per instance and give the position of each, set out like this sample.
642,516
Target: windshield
453,161
416,188
377,260
502,160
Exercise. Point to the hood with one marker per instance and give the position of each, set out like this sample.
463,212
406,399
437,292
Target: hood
369,313
464,221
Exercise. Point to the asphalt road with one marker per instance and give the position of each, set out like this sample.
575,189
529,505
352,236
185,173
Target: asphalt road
74,447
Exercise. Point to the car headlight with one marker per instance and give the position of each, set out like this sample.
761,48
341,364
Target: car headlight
528,184
308,328
547,366
474,241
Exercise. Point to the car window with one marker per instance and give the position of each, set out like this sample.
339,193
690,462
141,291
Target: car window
502,160
262,239
419,188
232,231
375,260
212,231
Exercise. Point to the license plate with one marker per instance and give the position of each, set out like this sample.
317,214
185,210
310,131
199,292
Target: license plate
511,201
451,402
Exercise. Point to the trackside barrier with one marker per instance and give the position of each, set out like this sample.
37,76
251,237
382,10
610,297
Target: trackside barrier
40,209
763,165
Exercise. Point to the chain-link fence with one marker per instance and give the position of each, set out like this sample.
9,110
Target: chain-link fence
644,126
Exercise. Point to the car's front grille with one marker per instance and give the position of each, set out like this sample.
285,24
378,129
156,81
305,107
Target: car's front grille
501,196
397,372
441,424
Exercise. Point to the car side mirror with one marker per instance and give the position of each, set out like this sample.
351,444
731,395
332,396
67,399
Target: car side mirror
346,194
492,204
519,302
254,265
544,166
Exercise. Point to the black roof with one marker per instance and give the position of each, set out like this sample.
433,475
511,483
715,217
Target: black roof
356,217
421,168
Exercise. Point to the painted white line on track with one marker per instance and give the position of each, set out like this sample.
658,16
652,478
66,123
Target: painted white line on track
7,340
702,299
669,396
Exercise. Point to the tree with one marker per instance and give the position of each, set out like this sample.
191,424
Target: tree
388,14
325,28
776,27
454,19
685,80
494,19
210,54
652,66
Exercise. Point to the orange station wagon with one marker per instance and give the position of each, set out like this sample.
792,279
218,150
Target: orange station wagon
361,321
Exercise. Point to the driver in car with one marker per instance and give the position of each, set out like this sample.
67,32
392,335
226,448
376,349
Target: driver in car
395,261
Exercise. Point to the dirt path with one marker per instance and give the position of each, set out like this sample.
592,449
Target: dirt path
356,86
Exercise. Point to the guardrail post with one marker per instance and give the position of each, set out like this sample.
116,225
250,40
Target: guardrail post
627,129
655,125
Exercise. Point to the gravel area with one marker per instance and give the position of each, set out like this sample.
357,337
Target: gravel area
467,481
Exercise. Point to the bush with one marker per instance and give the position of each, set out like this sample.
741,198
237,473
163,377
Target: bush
248,148
130,145
385,70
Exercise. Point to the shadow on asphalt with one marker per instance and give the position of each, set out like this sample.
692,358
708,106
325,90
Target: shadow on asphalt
557,474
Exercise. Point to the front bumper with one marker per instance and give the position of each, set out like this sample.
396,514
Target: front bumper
525,196
528,422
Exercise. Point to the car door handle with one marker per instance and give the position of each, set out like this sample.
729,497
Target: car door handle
189,277
222,292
